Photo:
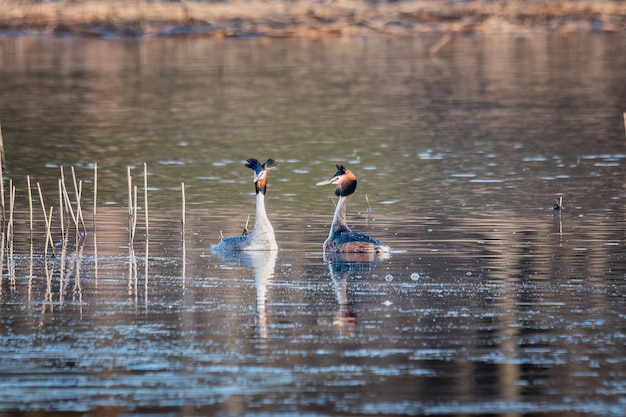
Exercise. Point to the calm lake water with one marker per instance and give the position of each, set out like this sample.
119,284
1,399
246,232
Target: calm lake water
490,303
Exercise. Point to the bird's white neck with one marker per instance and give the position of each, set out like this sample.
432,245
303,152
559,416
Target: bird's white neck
339,220
263,229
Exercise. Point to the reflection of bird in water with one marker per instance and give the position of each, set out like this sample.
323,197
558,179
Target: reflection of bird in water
262,236
262,264
341,238
341,267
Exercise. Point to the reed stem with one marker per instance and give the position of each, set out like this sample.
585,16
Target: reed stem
79,205
11,259
11,202
67,209
134,217
183,218
1,149
49,228
136,208
47,220
68,205
2,174
78,193
439,44
130,199
2,190
95,190
61,209
30,207
245,227
145,194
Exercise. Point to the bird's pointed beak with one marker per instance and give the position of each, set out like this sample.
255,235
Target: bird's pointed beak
325,182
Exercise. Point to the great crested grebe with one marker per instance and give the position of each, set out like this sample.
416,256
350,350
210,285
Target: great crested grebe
262,236
341,238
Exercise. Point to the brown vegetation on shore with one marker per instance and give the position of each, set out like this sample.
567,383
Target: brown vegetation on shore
304,18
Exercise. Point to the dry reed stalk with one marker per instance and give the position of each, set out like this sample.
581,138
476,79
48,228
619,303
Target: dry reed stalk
30,207
367,200
95,190
77,291
131,256
11,205
62,273
47,220
136,208
48,296
2,173
49,230
145,193
95,257
245,227
30,275
9,224
184,270
63,183
61,210
68,205
1,149
146,273
78,193
2,242
135,275
183,219
625,124
10,257
440,44
2,190
134,214
79,207
130,199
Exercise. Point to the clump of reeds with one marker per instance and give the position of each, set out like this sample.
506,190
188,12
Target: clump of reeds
65,204
72,209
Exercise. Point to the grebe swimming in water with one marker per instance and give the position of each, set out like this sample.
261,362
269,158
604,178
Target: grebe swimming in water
262,236
341,238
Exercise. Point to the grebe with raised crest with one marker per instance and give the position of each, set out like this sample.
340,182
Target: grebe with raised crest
262,236
341,238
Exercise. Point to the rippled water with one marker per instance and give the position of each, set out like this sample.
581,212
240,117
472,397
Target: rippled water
490,302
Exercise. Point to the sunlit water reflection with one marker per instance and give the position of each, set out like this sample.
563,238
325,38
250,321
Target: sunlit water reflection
490,302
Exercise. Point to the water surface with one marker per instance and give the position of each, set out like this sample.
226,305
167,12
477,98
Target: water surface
490,303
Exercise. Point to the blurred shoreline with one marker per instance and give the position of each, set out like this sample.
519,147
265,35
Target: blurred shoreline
112,19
